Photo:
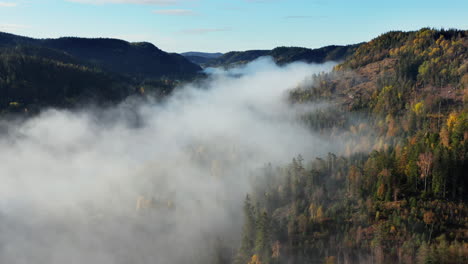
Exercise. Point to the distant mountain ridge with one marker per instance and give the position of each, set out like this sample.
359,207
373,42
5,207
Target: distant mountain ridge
140,59
281,55
201,58
202,54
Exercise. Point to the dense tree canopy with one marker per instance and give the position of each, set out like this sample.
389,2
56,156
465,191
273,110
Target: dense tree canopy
404,201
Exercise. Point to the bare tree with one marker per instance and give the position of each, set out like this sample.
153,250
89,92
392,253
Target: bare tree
425,164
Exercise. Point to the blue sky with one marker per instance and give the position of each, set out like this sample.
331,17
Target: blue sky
224,25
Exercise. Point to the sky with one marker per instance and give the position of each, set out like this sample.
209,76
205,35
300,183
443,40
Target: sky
221,26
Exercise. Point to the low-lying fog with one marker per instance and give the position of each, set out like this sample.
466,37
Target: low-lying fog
148,182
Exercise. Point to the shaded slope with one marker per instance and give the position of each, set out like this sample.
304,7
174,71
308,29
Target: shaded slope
63,72
29,81
143,60
140,59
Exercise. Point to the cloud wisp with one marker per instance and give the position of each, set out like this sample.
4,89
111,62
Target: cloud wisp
139,182
12,27
8,4
304,17
140,2
175,12
201,31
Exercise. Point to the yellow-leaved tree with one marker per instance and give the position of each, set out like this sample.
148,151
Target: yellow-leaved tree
255,260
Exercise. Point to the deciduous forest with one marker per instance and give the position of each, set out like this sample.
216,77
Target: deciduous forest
398,192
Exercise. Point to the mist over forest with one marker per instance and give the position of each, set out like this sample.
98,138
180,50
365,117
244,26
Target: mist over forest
128,183
118,152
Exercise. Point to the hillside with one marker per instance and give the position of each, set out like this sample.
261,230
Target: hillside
202,54
68,71
142,60
284,55
200,60
398,193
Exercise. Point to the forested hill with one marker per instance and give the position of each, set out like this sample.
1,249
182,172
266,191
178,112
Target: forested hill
201,58
284,55
140,59
398,193
37,73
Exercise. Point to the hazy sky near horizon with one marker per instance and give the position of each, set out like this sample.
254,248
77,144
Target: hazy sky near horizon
224,25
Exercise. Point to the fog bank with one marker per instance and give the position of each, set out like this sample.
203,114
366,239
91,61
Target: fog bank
148,182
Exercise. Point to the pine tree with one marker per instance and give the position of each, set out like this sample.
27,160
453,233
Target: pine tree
248,233
423,256
263,238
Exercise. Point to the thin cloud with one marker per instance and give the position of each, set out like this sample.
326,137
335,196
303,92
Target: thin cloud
260,1
231,7
12,27
8,4
138,2
174,12
303,17
199,31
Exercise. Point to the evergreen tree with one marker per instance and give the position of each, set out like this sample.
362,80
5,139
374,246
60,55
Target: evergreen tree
248,233
263,243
